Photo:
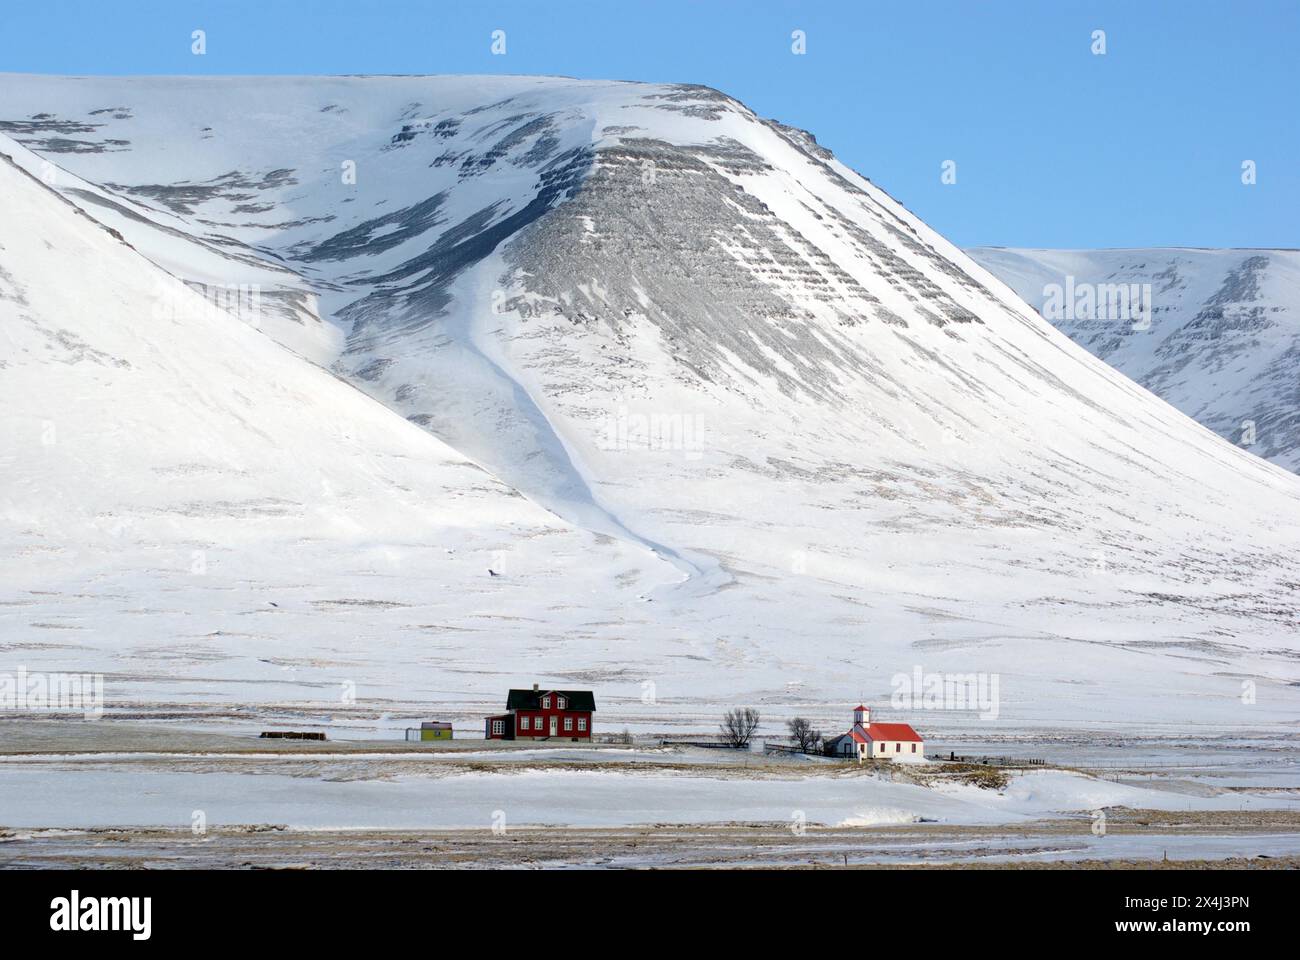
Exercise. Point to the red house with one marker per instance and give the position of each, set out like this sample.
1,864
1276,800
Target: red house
543,715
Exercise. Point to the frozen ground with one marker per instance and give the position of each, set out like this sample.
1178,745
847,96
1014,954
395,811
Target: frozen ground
1052,844
120,794
353,795
406,786
131,795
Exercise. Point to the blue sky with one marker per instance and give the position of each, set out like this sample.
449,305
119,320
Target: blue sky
1054,146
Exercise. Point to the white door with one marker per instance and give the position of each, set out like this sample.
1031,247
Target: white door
554,722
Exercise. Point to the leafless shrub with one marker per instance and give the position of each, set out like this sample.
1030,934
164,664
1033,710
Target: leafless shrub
806,738
738,726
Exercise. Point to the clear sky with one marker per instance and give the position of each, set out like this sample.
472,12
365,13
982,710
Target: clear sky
1054,146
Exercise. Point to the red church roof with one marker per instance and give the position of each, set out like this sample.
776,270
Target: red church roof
892,731
885,731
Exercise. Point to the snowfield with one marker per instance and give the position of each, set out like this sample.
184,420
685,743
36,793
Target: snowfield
344,399
109,793
131,795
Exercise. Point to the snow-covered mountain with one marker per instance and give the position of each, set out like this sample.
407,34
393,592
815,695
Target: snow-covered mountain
1221,343
725,422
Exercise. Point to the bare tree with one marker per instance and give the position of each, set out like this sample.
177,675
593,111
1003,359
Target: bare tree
803,734
738,726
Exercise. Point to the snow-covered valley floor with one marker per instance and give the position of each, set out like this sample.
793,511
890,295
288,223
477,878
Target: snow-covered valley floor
131,795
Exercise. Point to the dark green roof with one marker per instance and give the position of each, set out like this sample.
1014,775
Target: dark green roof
532,699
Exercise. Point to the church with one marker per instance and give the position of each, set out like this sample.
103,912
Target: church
876,741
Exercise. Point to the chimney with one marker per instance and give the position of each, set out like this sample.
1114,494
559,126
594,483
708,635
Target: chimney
534,688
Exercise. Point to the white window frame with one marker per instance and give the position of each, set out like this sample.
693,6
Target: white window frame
559,703
523,723
568,723
582,724
546,703
498,727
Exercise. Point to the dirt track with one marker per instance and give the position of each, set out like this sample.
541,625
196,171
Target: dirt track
671,847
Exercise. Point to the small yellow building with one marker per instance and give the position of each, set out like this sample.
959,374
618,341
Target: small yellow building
429,730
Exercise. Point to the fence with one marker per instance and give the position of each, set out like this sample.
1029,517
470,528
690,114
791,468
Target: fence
708,744
993,761
789,748
292,735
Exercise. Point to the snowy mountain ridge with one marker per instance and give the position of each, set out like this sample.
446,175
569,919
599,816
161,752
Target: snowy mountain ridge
1223,341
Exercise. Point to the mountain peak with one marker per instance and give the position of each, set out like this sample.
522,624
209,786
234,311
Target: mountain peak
752,420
